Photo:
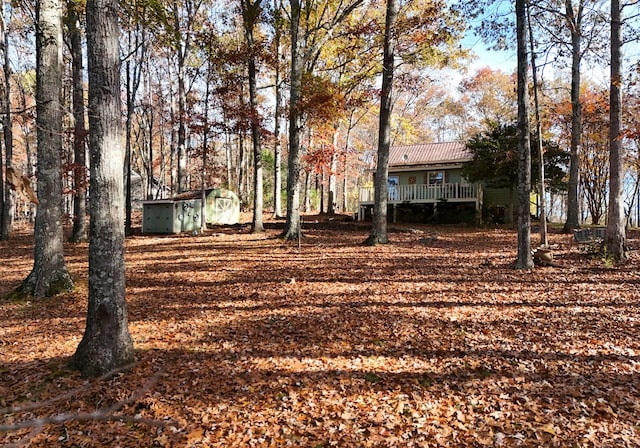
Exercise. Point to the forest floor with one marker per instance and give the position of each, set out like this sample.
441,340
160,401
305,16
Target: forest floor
250,341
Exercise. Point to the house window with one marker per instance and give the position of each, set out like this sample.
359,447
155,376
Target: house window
435,178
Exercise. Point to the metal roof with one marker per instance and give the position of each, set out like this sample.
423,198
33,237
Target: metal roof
429,153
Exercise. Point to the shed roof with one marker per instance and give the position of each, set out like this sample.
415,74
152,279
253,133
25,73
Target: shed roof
191,194
197,194
429,153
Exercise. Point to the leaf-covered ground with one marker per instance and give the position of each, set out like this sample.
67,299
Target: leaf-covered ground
246,340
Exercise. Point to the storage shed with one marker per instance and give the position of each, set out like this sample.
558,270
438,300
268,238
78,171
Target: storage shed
182,213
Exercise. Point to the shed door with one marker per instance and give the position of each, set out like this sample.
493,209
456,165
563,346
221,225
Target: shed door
224,210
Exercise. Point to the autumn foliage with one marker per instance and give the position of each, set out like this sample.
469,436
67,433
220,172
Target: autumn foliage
247,340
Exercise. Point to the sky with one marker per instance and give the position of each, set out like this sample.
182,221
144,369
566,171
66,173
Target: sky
503,60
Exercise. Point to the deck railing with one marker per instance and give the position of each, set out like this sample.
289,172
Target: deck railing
425,193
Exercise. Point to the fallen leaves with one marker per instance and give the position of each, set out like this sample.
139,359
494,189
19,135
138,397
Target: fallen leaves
261,344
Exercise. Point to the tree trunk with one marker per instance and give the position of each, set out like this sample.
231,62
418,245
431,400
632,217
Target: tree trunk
575,24
379,226
524,260
277,150
250,13
333,183
182,100
229,158
137,50
345,166
541,183
106,344
307,192
79,232
49,275
28,128
292,229
242,191
615,235
7,206
277,168
150,127
320,182
130,94
205,146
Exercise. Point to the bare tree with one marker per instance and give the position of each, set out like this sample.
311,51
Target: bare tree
106,344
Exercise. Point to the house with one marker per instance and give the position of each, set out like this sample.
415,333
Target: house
426,184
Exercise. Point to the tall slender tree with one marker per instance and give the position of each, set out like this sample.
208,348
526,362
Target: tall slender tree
251,11
292,225
277,145
615,234
307,41
79,232
567,27
574,28
378,233
134,65
6,197
106,344
536,104
573,18
49,275
524,260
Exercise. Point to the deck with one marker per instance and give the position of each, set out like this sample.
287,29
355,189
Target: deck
423,194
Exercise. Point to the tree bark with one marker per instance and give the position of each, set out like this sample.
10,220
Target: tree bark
378,233
333,181
615,234
182,49
525,260
137,51
7,206
575,25
106,344
79,233
49,275
541,181
277,150
250,14
292,229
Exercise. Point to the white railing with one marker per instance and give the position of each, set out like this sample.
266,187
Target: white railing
424,193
